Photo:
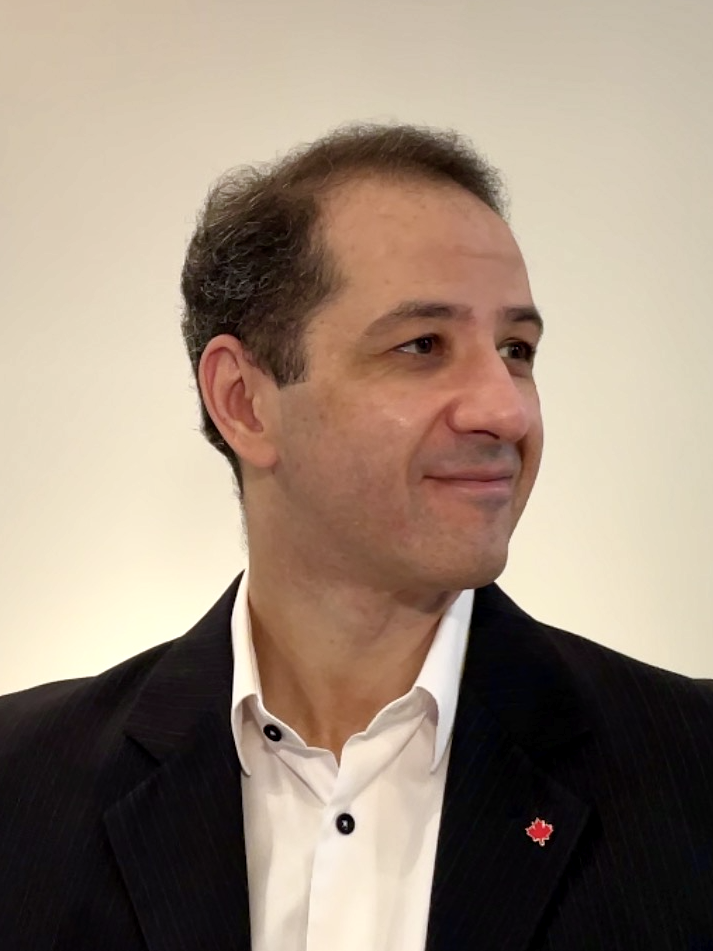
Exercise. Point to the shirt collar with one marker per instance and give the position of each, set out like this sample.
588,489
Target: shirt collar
438,679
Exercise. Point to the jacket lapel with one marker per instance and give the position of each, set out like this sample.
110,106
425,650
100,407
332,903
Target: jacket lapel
492,882
178,836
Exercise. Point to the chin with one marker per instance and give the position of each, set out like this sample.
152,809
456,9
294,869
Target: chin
486,574
469,573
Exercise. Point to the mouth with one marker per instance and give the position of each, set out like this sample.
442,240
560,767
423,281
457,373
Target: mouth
495,488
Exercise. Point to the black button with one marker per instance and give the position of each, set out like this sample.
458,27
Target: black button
272,733
345,823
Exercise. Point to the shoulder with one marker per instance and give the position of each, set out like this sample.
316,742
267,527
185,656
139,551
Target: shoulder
621,695
71,717
595,660
85,724
610,674
627,698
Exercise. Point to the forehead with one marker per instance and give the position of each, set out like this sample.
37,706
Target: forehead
378,224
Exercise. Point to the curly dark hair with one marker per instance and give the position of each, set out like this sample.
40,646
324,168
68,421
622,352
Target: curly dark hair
258,265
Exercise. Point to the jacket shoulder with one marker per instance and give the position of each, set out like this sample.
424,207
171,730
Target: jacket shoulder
605,665
629,698
40,721
621,691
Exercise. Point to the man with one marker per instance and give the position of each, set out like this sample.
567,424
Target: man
364,744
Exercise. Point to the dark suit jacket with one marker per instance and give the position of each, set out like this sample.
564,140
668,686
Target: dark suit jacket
121,818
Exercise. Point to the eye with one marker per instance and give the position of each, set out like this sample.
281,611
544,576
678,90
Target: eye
417,340
524,352
527,351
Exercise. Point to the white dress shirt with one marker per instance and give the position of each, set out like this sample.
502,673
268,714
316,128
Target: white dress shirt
341,857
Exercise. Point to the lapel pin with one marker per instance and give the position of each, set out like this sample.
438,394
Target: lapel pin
540,831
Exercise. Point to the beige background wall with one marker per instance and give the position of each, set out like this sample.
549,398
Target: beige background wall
118,524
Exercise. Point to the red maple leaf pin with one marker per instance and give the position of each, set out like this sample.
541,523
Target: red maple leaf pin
540,831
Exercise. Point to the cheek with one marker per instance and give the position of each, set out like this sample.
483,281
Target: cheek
532,451
367,419
341,440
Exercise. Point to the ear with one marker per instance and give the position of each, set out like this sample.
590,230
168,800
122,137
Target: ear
240,399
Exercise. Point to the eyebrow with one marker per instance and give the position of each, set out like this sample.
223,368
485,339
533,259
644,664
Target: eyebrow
441,310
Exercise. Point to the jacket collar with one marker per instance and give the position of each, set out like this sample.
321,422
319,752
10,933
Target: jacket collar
512,667
179,836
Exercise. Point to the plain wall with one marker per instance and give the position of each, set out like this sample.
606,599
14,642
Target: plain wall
119,526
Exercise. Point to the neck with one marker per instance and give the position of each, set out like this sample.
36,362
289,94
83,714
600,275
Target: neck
332,654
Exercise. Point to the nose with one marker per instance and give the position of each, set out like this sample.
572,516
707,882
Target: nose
489,397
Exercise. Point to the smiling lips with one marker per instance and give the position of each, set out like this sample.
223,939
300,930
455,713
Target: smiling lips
485,474
492,483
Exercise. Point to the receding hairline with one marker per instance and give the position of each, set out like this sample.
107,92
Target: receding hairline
343,181
374,150
322,190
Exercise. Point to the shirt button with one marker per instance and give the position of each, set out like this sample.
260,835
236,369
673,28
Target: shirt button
272,733
345,823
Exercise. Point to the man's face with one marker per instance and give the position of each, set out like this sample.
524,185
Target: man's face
387,409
